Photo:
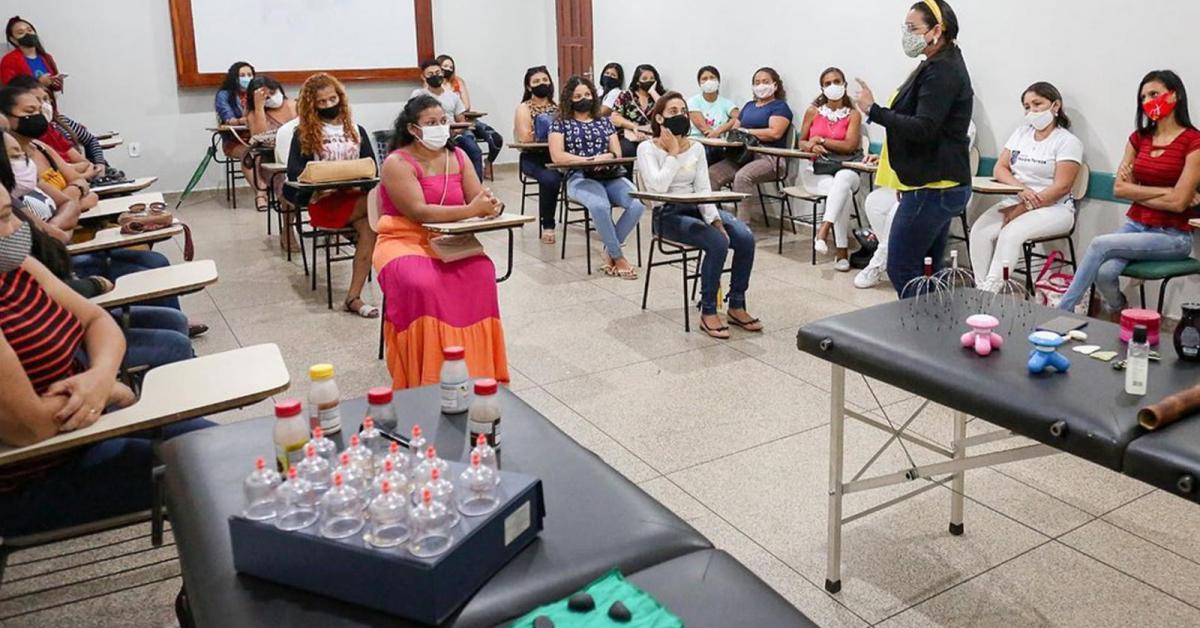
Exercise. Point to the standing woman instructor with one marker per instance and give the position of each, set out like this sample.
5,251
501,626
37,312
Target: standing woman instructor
927,145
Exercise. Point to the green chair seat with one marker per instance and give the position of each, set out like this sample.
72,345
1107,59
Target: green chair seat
1152,270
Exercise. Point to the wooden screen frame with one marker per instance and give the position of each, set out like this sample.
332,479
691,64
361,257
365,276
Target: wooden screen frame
187,73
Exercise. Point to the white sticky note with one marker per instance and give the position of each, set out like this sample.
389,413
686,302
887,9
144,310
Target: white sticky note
1086,349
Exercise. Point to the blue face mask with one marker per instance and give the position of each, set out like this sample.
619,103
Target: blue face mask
244,81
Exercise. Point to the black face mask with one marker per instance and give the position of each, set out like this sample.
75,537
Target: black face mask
32,126
647,85
434,81
28,40
447,73
581,106
542,91
329,113
679,125
609,82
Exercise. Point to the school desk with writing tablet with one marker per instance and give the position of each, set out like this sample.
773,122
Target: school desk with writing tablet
136,185
507,222
112,238
530,146
157,283
109,143
717,142
694,198
988,185
113,207
176,392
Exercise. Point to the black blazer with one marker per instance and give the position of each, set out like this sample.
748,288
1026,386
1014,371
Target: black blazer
927,122
297,160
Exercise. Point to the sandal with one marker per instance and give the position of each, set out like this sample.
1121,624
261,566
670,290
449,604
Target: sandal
195,330
260,202
548,236
364,310
720,333
606,265
753,324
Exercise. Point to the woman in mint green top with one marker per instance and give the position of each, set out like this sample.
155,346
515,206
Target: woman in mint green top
711,113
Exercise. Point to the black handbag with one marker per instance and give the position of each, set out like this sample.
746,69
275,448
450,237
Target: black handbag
741,156
831,163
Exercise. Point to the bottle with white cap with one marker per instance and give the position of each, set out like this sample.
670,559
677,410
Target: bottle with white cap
455,381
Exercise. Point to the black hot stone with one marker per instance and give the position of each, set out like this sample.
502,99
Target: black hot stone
618,612
581,603
541,621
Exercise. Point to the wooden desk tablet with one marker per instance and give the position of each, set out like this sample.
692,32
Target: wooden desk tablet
479,225
716,196
103,135
331,185
717,142
860,166
474,115
112,238
113,207
787,153
157,283
587,165
988,185
111,142
137,185
531,146
177,392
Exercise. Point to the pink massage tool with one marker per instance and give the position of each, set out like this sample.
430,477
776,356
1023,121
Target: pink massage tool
981,335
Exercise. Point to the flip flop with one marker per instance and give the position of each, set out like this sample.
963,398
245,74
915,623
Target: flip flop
746,325
720,333
364,310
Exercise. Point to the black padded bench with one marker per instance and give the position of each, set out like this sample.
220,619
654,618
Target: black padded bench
595,520
914,345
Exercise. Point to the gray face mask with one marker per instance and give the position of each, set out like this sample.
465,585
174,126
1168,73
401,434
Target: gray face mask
914,43
15,248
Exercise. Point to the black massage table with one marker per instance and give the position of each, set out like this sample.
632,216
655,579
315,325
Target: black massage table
595,520
914,344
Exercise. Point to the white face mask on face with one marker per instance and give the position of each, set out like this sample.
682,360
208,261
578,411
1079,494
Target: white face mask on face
435,137
764,90
710,86
26,174
1039,120
834,91
275,101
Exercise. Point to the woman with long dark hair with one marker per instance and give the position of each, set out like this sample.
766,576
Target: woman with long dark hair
631,110
927,151
28,56
1043,158
612,83
1159,173
433,303
536,111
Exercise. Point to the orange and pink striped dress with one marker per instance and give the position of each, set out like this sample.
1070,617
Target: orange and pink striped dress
431,304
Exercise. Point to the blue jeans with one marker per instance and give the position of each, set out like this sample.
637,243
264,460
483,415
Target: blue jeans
549,181
156,336
1108,255
599,197
470,146
683,224
121,262
108,479
919,230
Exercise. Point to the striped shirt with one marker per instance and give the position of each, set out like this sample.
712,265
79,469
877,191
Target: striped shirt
1162,170
43,334
82,136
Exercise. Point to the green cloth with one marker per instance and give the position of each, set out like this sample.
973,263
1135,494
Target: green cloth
646,611
1153,269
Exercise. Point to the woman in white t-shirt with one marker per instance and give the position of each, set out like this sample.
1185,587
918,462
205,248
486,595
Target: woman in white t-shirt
712,114
1043,157
672,163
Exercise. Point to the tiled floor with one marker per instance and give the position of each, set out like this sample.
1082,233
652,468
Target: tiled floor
732,436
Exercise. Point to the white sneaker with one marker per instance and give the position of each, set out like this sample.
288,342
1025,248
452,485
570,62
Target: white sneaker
868,277
821,247
841,265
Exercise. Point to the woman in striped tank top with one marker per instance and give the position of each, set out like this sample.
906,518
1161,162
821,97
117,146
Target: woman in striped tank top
59,356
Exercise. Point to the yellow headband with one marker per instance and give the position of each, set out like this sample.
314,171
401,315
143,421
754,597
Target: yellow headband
937,11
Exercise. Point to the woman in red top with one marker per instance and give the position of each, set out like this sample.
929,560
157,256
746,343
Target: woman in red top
28,57
1160,174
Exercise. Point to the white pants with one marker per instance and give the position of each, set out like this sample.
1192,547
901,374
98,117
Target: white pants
880,206
839,192
993,244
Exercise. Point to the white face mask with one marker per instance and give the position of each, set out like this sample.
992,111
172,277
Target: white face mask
48,111
435,137
26,174
710,86
834,91
275,101
1040,119
763,91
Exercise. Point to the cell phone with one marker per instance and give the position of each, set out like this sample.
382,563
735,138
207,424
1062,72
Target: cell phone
61,76
1062,325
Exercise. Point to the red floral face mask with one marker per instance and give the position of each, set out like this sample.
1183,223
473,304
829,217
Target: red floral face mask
1159,107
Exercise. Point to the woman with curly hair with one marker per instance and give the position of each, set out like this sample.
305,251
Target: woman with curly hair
326,132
